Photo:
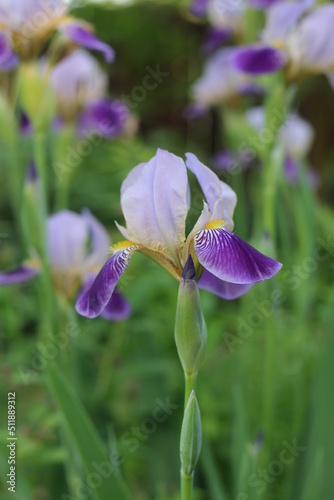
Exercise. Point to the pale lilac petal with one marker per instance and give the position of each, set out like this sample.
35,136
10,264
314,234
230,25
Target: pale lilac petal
214,190
8,58
297,136
224,290
94,300
79,34
78,79
282,18
155,202
31,17
117,309
67,238
263,4
314,40
227,14
258,59
220,80
100,239
231,259
105,117
17,276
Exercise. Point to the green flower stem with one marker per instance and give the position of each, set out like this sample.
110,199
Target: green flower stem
190,385
187,482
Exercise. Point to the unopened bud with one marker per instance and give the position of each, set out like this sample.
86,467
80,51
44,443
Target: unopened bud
190,329
191,436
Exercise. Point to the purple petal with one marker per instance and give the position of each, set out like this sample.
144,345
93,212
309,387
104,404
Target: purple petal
258,59
17,276
79,34
215,38
224,290
214,190
8,58
291,172
106,117
196,111
231,259
25,124
160,188
32,174
117,309
94,300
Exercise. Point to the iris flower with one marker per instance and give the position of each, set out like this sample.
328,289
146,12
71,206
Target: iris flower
221,82
294,38
80,87
155,199
77,245
25,25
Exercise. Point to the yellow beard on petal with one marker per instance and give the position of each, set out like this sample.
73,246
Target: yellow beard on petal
215,224
122,245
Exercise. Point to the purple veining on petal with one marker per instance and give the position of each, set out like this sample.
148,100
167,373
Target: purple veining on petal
8,58
93,301
258,59
105,117
231,259
79,34
117,309
17,276
223,289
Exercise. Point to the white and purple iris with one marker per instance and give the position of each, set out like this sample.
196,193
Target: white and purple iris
26,24
80,87
77,245
155,199
294,38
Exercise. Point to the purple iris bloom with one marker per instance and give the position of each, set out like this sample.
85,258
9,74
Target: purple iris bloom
25,24
80,86
77,246
221,82
155,199
293,37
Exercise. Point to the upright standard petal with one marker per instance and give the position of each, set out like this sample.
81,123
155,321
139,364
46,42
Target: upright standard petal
100,239
67,238
313,44
258,59
155,202
17,276
231,259
79,33
220,197
282,18
223,289
94,300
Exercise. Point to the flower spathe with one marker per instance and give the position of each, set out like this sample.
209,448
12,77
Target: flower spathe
155,199
76,247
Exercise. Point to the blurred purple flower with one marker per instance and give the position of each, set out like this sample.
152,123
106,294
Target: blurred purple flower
220,81
293,37
26,24
77,247
225,264
80,86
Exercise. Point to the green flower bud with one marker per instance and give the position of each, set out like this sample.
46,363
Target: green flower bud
191,436
190,329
